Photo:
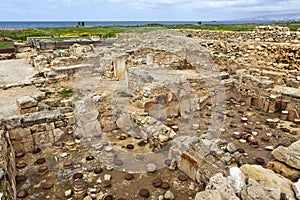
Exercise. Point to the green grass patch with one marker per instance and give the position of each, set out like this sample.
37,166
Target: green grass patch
65,93
111,31
6,45
124,94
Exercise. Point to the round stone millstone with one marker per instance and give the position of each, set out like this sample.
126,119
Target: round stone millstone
157,182
46,185
40,161
129,177
151,167
90,158
68,163
43,169
78,176
21,165
118,162
260,160
165,185
144,193
20,178
108,197
182,177
36,150
98,170
22,194
106,184
130,146
20,154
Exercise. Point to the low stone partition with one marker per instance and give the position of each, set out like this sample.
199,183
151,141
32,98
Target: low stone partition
261,36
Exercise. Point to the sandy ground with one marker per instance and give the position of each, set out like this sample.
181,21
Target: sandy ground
13,71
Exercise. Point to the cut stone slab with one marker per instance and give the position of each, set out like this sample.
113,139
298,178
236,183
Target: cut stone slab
208,195
289,155
26,102
268,177
293,92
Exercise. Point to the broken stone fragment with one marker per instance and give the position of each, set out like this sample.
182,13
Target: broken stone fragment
296,188
268,177
284,170
221,184
208,195
254,191
289,155
26,102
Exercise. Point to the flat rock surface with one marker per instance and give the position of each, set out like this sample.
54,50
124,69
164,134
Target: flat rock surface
8,98
289,155
14,71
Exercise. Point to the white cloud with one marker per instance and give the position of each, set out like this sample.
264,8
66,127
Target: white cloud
144,9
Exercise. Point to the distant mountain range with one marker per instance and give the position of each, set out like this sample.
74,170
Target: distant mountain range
275,17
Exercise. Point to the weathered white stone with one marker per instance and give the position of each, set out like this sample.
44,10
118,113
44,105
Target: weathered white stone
268,177
68,193
208,195
296,188
169,195
26,102
236,179
289,155
151,167
220,183
107,177
256,191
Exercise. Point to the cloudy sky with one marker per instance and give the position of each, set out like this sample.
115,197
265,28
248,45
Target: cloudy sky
109,10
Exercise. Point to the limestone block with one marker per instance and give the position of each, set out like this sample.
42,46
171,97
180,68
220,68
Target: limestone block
43,138
284,170
66,109
208,195
57,133
70,120
66,103
59,124
18,133
42,117
296,188
256,191
28,110
236,179
268,177
293,114
50,126
26,102
289,155
11,122
38,128
221,184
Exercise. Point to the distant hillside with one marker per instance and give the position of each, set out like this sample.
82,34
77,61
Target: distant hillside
275,18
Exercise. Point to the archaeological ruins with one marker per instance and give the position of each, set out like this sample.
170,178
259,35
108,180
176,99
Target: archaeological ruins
172,114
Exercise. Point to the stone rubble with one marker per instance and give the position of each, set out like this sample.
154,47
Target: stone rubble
220,107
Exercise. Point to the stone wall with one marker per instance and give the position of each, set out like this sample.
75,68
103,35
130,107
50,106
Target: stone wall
265,36
8,168
23,133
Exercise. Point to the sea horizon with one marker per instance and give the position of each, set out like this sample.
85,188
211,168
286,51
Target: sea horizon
58,24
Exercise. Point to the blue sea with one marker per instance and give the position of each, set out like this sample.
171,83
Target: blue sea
55,24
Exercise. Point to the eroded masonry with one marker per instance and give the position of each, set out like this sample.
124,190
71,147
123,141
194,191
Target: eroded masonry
179,114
